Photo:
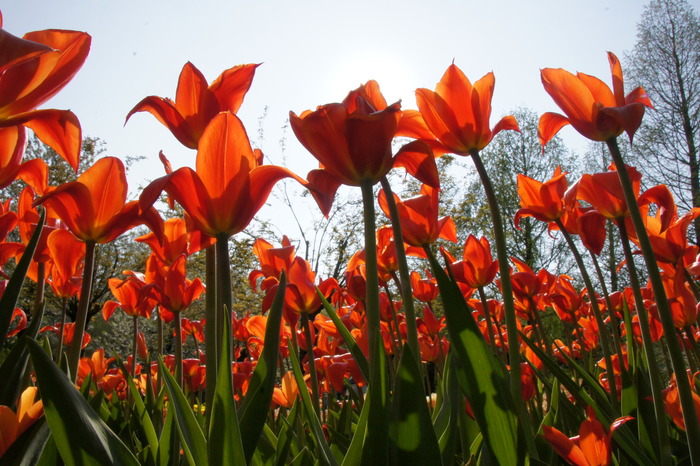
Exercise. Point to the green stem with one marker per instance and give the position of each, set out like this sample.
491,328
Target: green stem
508,305
83,308
593,299
647,343
405,280
684,389
211,343
312,362
179,376
377,431
59,351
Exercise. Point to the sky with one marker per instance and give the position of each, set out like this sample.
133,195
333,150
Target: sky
313,53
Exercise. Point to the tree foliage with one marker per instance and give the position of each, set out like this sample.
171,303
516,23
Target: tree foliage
666,62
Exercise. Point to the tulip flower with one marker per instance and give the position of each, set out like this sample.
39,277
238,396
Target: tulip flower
594,110
543,201
197,103
32,70
352,142
420,225
94,207
457,114
175,241
13,424
134,297
229,185
591,447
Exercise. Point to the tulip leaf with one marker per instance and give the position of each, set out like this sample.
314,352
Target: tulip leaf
285,437
324,450
193,442
481,375
352,345
80,435
14,284
225,445
411,435
624,437
143,420
167,444
354,454
262,384
15,363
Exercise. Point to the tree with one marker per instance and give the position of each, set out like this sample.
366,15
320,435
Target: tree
508,154
666,62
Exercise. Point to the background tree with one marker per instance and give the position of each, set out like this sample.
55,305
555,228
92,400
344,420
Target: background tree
666,62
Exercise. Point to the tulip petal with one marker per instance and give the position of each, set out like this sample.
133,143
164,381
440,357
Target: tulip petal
232,85
418,160
549,125
59,129
165,111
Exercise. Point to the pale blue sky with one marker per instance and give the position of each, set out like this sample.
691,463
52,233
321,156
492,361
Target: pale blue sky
314,52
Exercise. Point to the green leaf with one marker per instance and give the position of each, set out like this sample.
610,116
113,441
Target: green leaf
324,454
14,285
350,342
411,435
167,444
624,437
225,444
257,401
481,375
354,454
193,442
14,365
80,435
140,415
285,437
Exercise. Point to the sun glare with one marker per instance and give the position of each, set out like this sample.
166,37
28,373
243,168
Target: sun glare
395,77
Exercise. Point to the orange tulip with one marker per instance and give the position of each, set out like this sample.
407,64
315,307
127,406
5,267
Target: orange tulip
458,114
134,296
177,292
352,139
32,70
352,142
94,206
12,424
604,192
591,447
477,268
543,201
594,110
196,104
230,183
175,241
419,218
67,256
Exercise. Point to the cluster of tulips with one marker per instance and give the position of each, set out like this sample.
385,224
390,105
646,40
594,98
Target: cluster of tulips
328,372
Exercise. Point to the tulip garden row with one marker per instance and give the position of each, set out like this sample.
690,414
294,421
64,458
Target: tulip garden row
389,366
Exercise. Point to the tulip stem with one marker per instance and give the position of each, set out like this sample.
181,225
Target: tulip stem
179,376
593,299
377,363
311,360
211,342
83,308
406,291
684,389
647,343
508,304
